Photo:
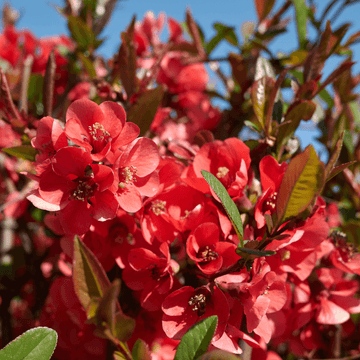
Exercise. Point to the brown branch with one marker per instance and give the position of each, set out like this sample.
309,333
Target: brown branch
25,78
48,87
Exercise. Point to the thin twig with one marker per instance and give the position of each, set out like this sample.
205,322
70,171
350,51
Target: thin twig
25,79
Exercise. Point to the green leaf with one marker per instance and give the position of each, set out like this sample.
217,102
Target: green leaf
88,65
80,32
302,182
22,152
141,351
119,356
35,344
90,279
349,142
301,19
142,113
196,341
252,126
229,205
223,33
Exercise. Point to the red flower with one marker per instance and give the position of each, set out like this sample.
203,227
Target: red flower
99,128
210,254
135,174
150,273
78,189
185,307
271,174
228,160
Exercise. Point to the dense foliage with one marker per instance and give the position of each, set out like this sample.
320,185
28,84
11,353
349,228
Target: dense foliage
136,217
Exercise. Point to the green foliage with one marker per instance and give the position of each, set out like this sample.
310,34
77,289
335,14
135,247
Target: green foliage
229,205
35,344
21,152
197,339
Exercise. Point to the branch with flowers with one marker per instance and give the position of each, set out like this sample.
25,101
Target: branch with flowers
141,221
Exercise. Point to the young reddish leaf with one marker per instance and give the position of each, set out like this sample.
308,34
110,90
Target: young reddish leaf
22,152
90,279
38,343
142,113
229,205
141,351
263,8
126,65
335,74
302,111
338,169
48,85
195,34
197,339
334,157
110,316
260,94
302,182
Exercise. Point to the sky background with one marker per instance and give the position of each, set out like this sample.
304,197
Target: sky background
41,17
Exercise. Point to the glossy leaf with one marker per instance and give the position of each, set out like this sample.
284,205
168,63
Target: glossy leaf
35,344
90,279
142,113
301,18
302,182
141,350
229,205
197,339
22,152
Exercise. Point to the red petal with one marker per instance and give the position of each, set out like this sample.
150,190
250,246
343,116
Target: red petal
76,217
330,314
71,161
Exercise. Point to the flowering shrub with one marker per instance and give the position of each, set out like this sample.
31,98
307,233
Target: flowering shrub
139,223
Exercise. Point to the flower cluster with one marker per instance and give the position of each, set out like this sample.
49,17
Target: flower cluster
286,282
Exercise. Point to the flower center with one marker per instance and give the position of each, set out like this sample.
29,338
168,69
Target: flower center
85,189
128,176
158,207
198,304
270,203
99,136
208,254
222,172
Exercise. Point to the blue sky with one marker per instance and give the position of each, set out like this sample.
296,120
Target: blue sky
42,19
